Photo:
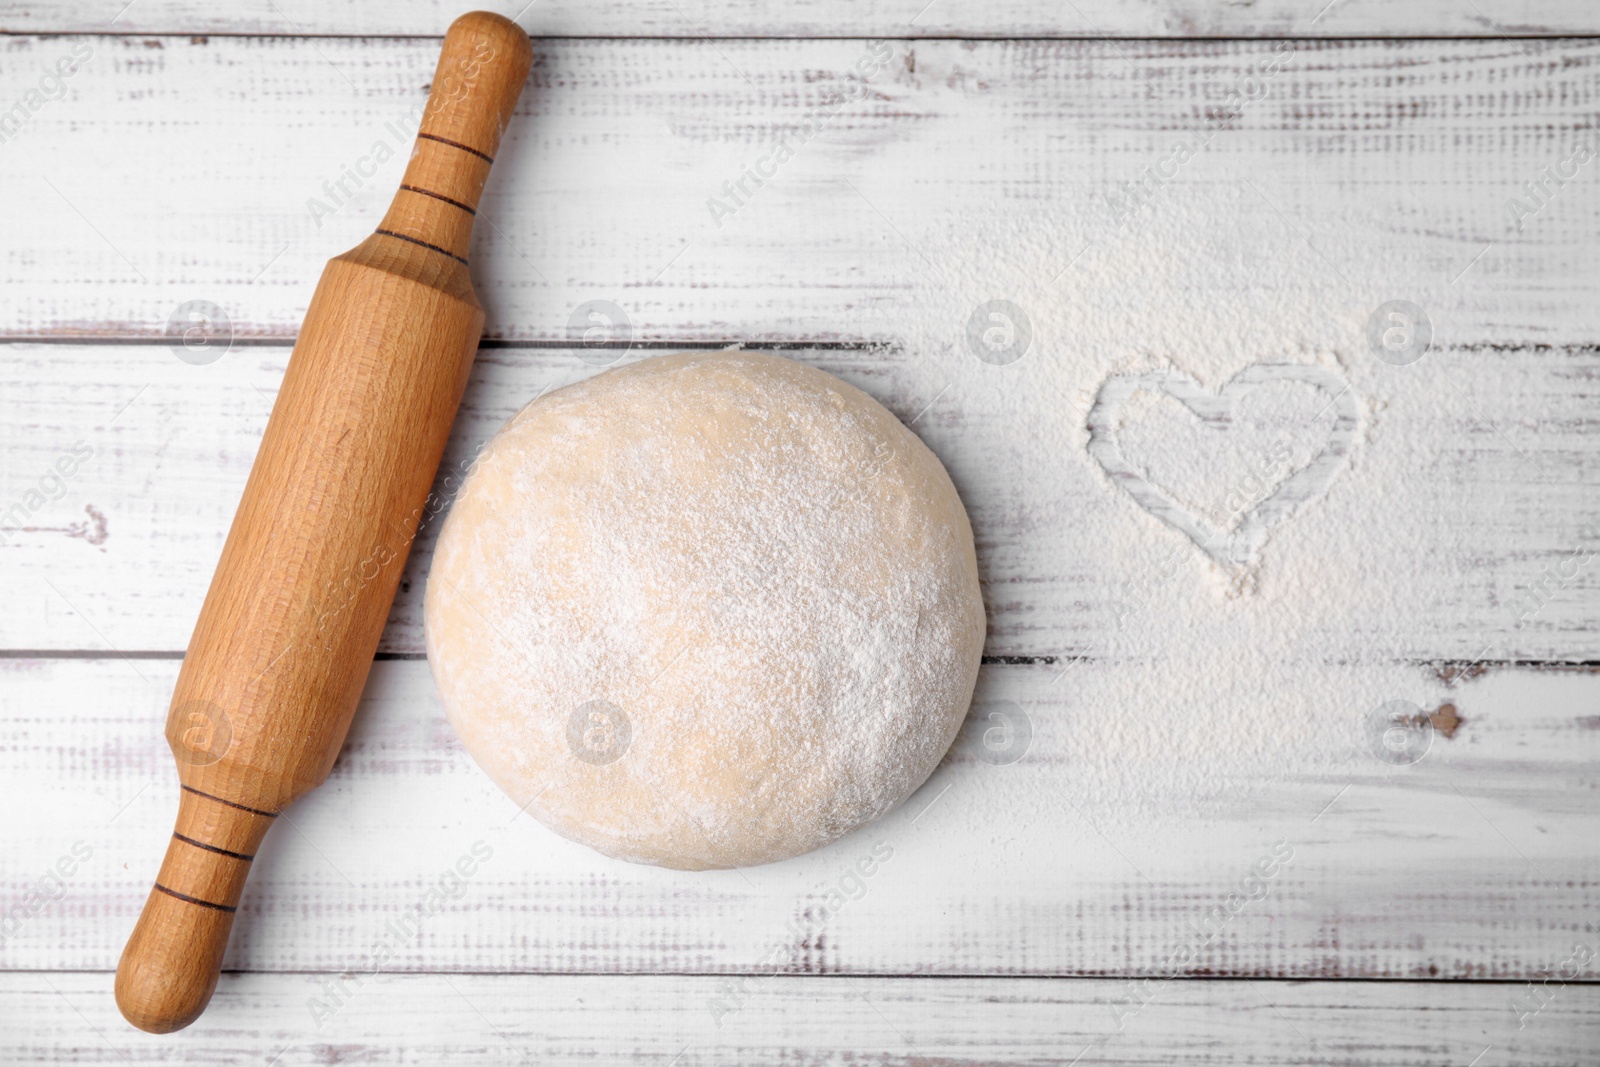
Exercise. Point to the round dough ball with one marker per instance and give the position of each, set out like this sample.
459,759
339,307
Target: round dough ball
706,610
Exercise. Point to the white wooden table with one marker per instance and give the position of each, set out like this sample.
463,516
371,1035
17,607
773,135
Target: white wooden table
1085,894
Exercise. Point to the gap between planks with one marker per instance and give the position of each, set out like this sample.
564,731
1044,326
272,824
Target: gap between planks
1446,668
847,976
985,38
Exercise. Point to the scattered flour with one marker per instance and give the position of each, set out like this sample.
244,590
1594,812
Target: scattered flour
1182,676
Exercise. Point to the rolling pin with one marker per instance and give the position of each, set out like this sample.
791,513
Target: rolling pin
291,622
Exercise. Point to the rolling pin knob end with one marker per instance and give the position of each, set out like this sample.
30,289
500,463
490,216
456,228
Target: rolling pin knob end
169,968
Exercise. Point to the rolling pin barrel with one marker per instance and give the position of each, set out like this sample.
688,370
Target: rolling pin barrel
339,489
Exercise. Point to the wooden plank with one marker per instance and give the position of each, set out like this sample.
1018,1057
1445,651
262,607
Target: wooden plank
1278,838
1482,463
178,169
478,1019
869,18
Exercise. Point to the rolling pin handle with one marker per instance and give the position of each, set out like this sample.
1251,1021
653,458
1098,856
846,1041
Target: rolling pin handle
482,66
169,968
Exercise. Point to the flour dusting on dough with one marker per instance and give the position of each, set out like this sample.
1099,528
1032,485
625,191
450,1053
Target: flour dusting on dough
766,572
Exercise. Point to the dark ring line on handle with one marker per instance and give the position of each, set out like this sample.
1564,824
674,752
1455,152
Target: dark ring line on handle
186,898
470,210
418,241
457,144
212,848
231,804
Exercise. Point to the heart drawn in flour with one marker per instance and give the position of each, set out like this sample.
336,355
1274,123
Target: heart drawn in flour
1243,542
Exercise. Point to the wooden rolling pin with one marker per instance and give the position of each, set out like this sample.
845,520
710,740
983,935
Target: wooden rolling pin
289,627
